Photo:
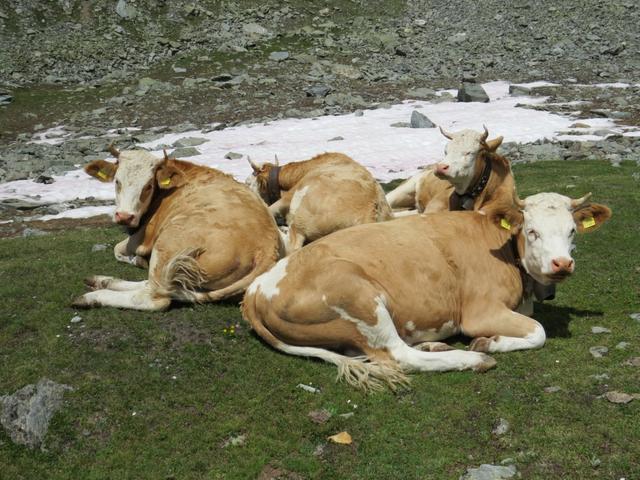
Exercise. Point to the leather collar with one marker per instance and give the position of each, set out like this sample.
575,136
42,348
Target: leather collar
467,199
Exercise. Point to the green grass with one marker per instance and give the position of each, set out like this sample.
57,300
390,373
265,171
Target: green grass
121,362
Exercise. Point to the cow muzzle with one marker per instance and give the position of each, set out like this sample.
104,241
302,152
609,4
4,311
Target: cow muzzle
561,268
442,170
125,218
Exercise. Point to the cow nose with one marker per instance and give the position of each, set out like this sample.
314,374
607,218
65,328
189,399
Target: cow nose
442,169
124,218
562,265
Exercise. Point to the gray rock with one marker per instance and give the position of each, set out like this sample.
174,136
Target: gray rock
33,232
517,90
600,377
421,92
254,29
472,92
600,330
5,98
635,316
622,345
185,152
347,71
457,38
400,125
552,389
318,91
335,139
126,10
419,120
76,319
189,142
26,413
98,247
44,179
501,427
233,156
278,56
490,472
599,351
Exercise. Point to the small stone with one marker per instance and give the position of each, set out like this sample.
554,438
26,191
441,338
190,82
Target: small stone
619,397
278,56
358,113
552,389
635,316
598,351
254,29
233,156
600,377
44,179
457,38
632,362
400,125
189,142
335,139
519,90
579,125
179,69
318,91
76,319
308,388
223,77
422,92
185,152
98,247
472,92
500,427
490,472
320,416
235,441
622,345
597,330
419,120
33,232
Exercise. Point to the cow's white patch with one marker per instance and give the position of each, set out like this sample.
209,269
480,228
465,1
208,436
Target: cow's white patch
535,339
267,283
404,196
135,173
384,335
446,330
460,156
548,229
297,198
410,326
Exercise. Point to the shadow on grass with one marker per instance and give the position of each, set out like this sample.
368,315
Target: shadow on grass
555,318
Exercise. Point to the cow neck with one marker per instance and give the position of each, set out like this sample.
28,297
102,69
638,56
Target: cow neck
467,199
273,185
516,249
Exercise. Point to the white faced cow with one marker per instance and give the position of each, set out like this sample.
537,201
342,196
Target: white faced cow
466,179
206,236
393,290
319,196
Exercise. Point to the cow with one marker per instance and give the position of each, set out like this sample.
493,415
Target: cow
393,290
466,179
329,192
205,236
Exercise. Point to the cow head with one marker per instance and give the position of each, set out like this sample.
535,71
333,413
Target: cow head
550,223
137,174
463,157
258,181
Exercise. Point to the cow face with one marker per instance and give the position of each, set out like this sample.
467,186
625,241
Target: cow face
550,223
258,181
135,181
462,157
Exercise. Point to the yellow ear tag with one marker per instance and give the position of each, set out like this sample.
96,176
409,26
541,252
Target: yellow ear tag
166,182
504,223
589,222
102,175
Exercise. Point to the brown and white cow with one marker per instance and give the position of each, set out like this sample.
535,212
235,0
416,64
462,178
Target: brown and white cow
392,290
206,236
471,174
329,192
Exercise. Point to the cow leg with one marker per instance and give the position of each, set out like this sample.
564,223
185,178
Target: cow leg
125,251
279,208
433,347
140,299
99,282
503,332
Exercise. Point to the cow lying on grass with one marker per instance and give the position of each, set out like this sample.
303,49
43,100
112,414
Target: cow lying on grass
319,196
205,235
471,174
392,290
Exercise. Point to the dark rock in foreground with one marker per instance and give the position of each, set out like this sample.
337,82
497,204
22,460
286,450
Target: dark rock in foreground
472,92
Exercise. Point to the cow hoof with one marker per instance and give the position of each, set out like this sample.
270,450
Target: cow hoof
480,344
97,282
82,302
141,262
433,347
487,364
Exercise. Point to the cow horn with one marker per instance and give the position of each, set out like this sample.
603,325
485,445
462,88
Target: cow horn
579,202
446,134
114,151
254,165
166,155
277,161
485,135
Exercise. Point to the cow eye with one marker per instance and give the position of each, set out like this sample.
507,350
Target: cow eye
533,235
573,232
118,185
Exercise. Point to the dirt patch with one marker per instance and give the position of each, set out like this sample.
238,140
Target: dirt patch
19,229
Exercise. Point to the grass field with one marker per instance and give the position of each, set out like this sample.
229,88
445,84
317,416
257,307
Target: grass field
172,395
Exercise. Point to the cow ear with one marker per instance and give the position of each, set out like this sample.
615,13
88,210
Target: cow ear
507,217
102,170
169,176
591,216
492,145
